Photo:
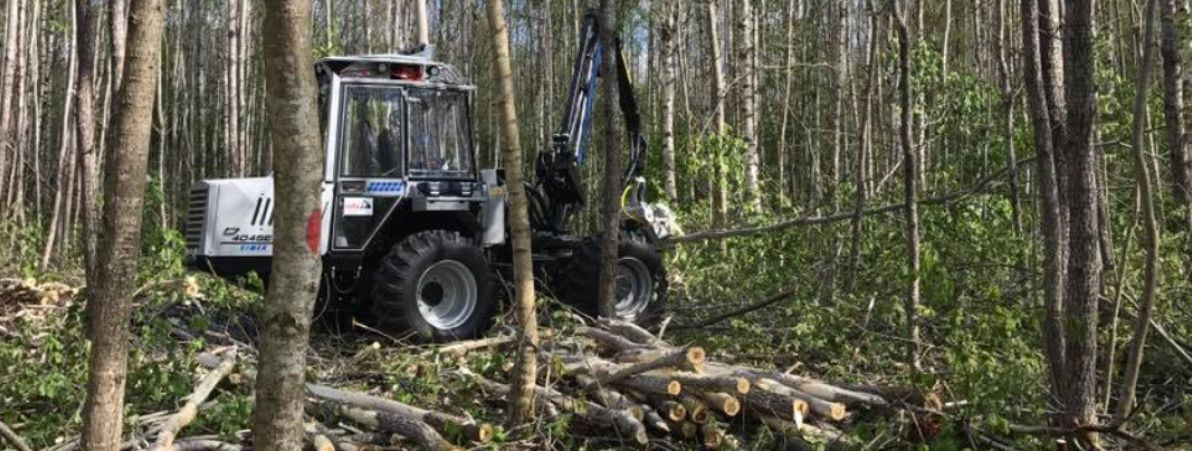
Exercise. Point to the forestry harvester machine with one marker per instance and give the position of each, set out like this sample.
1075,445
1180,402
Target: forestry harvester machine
413,234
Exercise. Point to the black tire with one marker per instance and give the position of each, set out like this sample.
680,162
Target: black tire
579,281
396,296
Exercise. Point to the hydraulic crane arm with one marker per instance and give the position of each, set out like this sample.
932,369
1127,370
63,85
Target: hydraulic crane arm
558,187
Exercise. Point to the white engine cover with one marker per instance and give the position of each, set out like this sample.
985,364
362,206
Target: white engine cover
234,218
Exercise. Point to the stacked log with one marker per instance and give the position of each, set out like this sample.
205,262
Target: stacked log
616,379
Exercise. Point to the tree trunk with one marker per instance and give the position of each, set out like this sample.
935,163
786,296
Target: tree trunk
1142,176
1173,15
1084,260
719,182
1003,70
910,179
85,135
670,13
65,161
117,39
611,225
7,78
747,54
109,306
294,129
788,80
866,130
521,395
1054,337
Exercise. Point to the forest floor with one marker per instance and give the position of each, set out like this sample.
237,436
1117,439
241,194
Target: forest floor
980,341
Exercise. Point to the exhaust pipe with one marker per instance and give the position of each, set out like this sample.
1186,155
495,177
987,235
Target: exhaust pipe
423,28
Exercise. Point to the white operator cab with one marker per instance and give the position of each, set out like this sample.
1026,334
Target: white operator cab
395,128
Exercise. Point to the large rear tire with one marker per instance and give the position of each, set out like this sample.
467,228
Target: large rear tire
437,284
641,280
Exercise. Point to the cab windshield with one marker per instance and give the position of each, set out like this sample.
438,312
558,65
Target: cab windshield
380,123
438,134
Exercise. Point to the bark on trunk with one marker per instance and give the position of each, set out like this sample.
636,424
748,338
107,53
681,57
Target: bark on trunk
7,79
277,417
521,398
910,180
719,181
611,224
1173,14
670,13
109,306
1142,179
1084,260
88,157
747,55
1051,210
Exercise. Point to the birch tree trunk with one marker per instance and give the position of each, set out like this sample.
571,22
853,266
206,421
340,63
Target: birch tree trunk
109,304
12,25
719,182
85,135
525,370
670,13
910,197
747,54
294,279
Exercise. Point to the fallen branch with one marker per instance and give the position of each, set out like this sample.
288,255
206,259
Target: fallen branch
169,430
204,445
411,428
686,358
1114,429
480,432
843,216
740,311
12,438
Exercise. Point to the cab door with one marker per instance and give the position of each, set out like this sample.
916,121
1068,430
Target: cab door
369,179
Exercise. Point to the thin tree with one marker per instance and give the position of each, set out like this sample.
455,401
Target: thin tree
719,182
8,72
298,162
1054,337
1084,253
87,154
1173,104
1142,177
109,306
746,54
525,369
670,15
607,291
910,193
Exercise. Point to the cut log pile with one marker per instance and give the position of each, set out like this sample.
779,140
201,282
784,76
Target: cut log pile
615,381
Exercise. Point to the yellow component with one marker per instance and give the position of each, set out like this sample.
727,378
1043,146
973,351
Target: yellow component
625,202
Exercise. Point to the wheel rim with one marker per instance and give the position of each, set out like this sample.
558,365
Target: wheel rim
635,287
447,294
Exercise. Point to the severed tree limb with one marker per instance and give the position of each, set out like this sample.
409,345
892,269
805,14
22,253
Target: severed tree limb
608,397
169,430
723,402
691,358
844,216
479,432
607,339
411,428
697,410
618,420
463,347
773,299
832,410
12,438
633,332
652,419
204,445
709,382
672,410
